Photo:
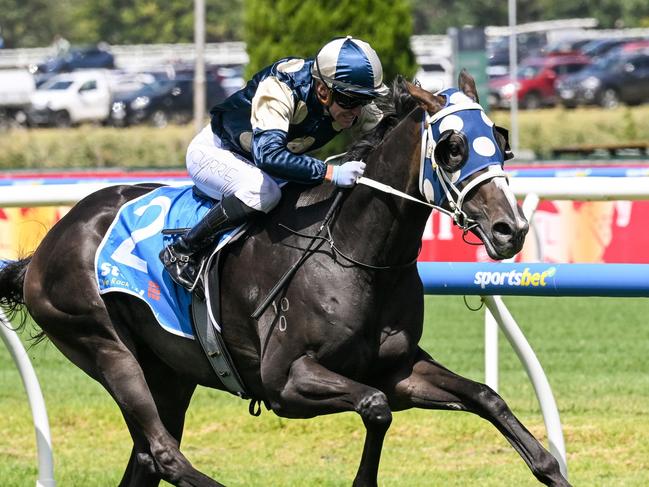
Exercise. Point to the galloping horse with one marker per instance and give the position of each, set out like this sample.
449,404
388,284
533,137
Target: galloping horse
353,313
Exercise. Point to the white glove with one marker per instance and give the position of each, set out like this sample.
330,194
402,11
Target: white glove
348,173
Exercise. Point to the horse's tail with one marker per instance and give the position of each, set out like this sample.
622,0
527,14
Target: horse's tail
12,277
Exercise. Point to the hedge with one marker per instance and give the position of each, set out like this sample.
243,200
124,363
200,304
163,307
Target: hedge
149,147
543,130
95,147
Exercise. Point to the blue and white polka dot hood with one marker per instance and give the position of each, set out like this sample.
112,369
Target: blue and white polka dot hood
462,114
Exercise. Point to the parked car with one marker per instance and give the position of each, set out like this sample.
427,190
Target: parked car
17,88
162,102
435,73
619,77
536,78
528,44
123,83
565,46
635,46
232,79
601,47
89,57
71,98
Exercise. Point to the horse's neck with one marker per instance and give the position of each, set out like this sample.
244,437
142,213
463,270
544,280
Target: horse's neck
383,229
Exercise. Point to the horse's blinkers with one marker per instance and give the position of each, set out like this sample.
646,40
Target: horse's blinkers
444,154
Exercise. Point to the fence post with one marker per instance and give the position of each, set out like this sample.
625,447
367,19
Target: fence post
537,376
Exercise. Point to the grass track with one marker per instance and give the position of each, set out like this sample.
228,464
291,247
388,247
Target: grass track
594,351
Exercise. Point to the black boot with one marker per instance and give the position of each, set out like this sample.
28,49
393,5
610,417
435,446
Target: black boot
178,257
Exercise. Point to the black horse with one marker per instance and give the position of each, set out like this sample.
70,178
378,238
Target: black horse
351,331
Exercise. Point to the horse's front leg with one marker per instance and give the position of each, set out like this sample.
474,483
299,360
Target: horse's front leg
312,390
432,386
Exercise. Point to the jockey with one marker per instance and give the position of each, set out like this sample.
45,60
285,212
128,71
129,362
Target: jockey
258,138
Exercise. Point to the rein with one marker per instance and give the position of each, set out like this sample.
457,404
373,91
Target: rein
330,240
293,269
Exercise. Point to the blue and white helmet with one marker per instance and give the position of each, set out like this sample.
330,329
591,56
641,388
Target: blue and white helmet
350,66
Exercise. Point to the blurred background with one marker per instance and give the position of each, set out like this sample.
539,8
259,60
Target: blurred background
133,63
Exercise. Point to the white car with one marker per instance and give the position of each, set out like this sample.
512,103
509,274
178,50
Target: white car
71,98
17,88
435,73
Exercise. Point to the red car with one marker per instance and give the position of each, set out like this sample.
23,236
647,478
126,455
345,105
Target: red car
535,81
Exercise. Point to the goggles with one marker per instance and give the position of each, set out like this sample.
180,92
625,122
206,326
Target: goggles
349,102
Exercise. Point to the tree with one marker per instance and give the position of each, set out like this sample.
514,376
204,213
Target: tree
300,27
162,21
33,23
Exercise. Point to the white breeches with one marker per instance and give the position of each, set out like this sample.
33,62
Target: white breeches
218,173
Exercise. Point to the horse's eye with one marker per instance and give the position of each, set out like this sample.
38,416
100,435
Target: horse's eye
454,149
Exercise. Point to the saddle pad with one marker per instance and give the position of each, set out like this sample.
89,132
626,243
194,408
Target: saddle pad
127,258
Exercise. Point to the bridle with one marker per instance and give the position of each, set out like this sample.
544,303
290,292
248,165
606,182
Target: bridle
454,195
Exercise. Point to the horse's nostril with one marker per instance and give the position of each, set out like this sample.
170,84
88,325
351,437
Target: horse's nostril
503,229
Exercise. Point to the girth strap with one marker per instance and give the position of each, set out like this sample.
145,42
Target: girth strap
214,347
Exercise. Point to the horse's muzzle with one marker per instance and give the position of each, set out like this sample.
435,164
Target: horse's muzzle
505,238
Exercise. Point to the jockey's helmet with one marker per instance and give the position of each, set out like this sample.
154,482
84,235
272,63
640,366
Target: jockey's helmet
351,67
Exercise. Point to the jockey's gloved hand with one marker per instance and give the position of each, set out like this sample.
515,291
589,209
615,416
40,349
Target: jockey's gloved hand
346,175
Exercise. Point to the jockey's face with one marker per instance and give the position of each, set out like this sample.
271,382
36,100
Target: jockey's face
343,116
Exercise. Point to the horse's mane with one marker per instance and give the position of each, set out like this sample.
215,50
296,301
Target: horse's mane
395,105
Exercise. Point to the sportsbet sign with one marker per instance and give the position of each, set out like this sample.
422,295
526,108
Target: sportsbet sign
513,278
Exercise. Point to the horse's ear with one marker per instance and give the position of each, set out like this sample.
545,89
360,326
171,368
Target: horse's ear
426,100
466,83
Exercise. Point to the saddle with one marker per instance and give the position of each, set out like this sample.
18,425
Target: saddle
206,317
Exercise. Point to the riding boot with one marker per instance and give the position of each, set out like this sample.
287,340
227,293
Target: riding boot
178,257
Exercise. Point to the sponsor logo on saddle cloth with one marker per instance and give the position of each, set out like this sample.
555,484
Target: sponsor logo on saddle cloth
127,258
467,117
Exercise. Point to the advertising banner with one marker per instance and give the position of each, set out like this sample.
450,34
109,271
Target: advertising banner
562,232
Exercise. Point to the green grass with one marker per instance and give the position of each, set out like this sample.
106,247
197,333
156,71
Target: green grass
593,350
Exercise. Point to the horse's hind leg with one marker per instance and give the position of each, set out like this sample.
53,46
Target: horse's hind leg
93,344
432,386
171,394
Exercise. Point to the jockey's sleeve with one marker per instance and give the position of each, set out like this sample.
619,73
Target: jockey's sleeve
272,109
270,154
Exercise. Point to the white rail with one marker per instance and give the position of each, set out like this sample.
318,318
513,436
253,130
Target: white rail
499,312
553,188
36,403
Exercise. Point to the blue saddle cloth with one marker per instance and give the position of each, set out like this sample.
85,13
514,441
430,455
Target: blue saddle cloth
127,258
